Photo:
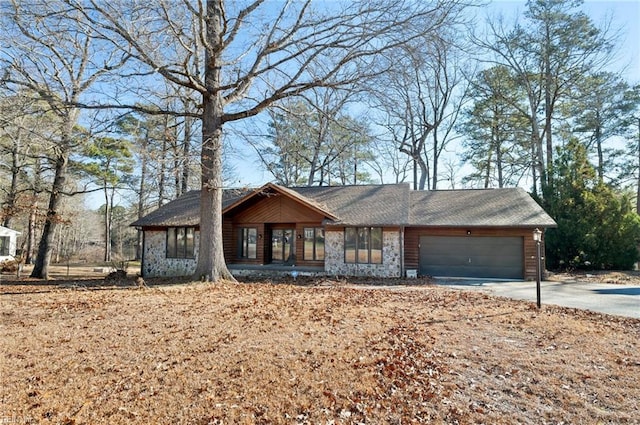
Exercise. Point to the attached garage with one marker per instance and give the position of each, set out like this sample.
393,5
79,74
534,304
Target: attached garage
478,233
472,256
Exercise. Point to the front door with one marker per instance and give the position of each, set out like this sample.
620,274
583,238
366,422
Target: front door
282,246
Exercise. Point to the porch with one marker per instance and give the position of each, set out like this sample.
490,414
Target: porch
274,270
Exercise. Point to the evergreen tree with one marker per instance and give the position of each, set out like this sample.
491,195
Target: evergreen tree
496,128
597,227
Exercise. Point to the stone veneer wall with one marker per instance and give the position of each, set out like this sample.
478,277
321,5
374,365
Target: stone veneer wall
155,262
334,257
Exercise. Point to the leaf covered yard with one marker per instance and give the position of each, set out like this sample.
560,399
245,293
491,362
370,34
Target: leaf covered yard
320,354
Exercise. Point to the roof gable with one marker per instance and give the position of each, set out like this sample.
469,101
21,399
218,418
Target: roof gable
271,188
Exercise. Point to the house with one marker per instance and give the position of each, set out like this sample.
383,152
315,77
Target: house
369,230
8,243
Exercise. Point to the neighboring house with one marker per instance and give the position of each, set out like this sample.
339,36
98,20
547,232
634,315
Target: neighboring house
370,230
8,243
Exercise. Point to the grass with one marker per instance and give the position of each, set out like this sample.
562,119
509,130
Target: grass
325,353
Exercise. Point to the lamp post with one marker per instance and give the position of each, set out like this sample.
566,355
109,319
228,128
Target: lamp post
537,237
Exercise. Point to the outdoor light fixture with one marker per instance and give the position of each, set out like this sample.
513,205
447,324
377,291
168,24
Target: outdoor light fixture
537,237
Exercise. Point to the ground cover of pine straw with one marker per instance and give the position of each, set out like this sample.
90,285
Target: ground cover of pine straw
324,353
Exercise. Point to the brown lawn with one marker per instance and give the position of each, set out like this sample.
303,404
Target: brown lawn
316,354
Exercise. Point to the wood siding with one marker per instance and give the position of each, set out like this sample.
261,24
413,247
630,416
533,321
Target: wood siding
412,243
273,211
276,208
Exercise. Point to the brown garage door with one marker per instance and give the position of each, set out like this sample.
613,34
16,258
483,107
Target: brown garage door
472,256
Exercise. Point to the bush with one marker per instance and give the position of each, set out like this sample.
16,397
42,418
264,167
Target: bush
10,266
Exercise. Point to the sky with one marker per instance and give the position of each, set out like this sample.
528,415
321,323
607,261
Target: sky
625,15
625,19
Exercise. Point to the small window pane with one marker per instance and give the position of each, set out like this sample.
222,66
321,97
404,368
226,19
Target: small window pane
4,245
190,242
363,245
288,245
277,242
376,245
319,244
252,243
248,242
180,242
313,243
350,238
309,244
171,242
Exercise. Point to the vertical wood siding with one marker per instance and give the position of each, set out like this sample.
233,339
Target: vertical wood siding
270,212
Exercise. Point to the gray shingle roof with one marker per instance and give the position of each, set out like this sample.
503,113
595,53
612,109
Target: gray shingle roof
383,205
509,207
370,205
184,211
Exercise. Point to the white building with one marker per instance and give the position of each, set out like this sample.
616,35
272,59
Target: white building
8,243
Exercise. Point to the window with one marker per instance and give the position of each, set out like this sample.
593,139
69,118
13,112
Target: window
248,243
282,246
313,244
181,242
4,245
363,245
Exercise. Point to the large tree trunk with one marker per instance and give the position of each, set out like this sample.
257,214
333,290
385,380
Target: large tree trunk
45,247
211,264
52,220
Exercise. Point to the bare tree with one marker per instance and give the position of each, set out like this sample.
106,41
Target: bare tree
312,140
242,57
57,59
447,93
24,126
421,97
389,162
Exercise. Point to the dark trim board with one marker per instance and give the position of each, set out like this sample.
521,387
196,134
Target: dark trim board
499,257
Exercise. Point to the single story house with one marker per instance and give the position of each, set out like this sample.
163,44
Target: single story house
368,230
8,243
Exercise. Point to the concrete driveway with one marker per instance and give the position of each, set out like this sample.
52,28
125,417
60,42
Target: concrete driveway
620,300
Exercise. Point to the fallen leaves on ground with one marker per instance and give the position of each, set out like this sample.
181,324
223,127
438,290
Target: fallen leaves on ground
309,354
